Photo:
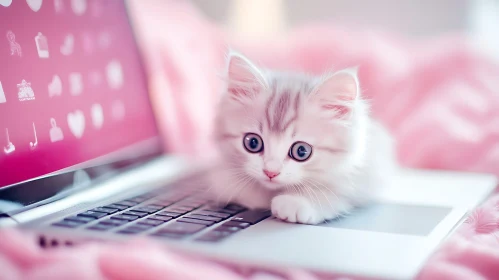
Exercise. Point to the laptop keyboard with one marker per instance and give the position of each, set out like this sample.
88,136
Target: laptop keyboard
176,216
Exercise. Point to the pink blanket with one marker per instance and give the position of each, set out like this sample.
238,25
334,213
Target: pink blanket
439,99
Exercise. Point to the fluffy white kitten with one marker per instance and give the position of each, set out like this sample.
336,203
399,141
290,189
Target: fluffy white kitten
303,146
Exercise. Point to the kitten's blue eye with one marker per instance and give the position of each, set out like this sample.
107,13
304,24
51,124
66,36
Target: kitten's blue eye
300,151
253,143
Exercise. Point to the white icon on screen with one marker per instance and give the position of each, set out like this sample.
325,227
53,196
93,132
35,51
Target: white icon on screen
59,6
95,78
15,48
114,74
68,45
56,134
104,40
97,116
79,6
2,94
42,45
35,5
88,44
33,145
9,148
76,122
75,83
118,110
5,3
55,86
25,92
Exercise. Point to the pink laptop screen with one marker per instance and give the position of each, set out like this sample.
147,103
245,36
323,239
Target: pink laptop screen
72,88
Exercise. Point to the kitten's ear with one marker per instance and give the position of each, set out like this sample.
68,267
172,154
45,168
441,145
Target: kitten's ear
244,79
337,93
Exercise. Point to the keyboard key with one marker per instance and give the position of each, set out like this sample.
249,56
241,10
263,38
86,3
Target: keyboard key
169,214
113,222
125,217
195,221
213,214
213,236
155,206
146,209
135,213
235,207
127,203
138,228
78,219
117,206
168,235
100,227
236,224
153,222
205,218
163,203
67,224
178,211
105,210
92,214
127,232
193,204
182,228
161,218
252,216
183,208
221,210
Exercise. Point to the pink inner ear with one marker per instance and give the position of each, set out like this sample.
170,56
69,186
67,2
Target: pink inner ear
339,109
242,77
237,91
337,92
341,86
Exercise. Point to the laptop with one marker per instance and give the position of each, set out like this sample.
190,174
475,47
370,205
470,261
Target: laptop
82,160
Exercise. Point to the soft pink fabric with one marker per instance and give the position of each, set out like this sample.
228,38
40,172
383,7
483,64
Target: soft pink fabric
438,98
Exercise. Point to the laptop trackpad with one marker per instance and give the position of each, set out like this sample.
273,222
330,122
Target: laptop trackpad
393,218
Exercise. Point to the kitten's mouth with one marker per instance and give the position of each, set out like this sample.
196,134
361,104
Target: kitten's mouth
271,184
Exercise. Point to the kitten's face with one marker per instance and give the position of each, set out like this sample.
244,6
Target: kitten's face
272,132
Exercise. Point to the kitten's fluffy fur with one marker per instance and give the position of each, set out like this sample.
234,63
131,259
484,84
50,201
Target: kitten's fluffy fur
351,154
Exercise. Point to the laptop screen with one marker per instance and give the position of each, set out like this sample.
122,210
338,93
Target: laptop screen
72,87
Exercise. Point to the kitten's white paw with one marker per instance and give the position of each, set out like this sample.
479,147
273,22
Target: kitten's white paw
295,209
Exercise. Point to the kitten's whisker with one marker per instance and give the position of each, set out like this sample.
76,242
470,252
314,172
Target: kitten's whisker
295,188
300,192
316,197
323,186
328,189
239,178
298,189
243,183
320,189
249,181
306,189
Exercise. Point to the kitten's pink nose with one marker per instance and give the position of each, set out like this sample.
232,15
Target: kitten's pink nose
271,174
